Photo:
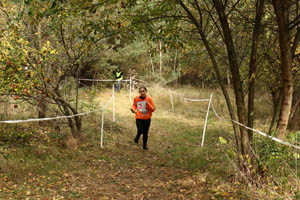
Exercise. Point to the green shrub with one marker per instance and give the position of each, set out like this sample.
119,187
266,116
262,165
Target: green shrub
14,135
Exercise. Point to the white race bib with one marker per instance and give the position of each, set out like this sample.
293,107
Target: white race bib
141,106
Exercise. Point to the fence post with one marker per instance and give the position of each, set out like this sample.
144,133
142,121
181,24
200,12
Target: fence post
130,82
113,98
102,125
204,128
171,99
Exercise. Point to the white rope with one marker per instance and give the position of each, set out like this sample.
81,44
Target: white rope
53,118
187,99
257,131
99,80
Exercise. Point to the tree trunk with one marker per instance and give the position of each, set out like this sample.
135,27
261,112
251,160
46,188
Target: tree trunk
68,110
282,13
236,81
160,58
228,78
152,65
252,64
277,99
294,109
41,106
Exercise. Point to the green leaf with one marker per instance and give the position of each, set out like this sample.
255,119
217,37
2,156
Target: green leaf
222,140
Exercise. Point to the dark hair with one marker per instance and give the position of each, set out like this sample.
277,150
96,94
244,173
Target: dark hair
143,87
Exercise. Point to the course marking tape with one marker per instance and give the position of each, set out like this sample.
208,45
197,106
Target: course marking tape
187,99
98,80
52,118
257,131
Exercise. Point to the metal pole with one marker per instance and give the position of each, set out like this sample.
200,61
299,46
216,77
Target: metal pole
171,99
102,124
113,98
203,135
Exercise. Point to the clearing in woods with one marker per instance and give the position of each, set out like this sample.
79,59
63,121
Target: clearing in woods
174,167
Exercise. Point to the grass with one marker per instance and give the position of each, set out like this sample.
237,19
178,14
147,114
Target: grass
175,167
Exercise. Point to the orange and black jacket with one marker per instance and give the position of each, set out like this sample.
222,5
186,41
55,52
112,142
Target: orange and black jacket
143,107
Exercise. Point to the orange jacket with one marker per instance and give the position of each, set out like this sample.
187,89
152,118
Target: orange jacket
143,107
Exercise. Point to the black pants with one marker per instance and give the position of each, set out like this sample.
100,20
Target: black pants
142,128
118,86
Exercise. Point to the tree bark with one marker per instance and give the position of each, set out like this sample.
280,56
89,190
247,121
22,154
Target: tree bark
294,109
282,13
252,64
277,99
41,106
152,65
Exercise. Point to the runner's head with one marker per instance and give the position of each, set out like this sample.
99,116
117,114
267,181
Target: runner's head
143,91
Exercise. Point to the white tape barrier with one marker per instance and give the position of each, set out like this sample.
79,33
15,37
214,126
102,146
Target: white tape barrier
99,80
187,99
257,131
53,118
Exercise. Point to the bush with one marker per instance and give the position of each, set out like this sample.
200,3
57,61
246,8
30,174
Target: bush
277,158
14,135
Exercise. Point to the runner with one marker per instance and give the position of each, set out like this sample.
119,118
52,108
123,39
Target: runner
143,106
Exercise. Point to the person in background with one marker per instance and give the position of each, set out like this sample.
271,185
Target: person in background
143,106
119,78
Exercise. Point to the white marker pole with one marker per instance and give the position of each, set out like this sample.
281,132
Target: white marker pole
133,85
171,99
113,98
130,82
204,128
102,124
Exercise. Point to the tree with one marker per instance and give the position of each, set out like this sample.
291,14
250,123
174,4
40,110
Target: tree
73,33
282,13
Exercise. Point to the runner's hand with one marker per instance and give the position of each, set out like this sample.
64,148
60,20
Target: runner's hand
133,111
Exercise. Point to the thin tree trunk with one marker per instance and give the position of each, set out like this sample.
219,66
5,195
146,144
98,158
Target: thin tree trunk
294,109
152,65
160,58
228,78
237,84
282,13
252,64
277,99
41,106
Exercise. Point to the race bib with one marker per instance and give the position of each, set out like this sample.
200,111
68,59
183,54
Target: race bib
141,106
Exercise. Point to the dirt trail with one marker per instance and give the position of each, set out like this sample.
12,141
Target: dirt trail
132,173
